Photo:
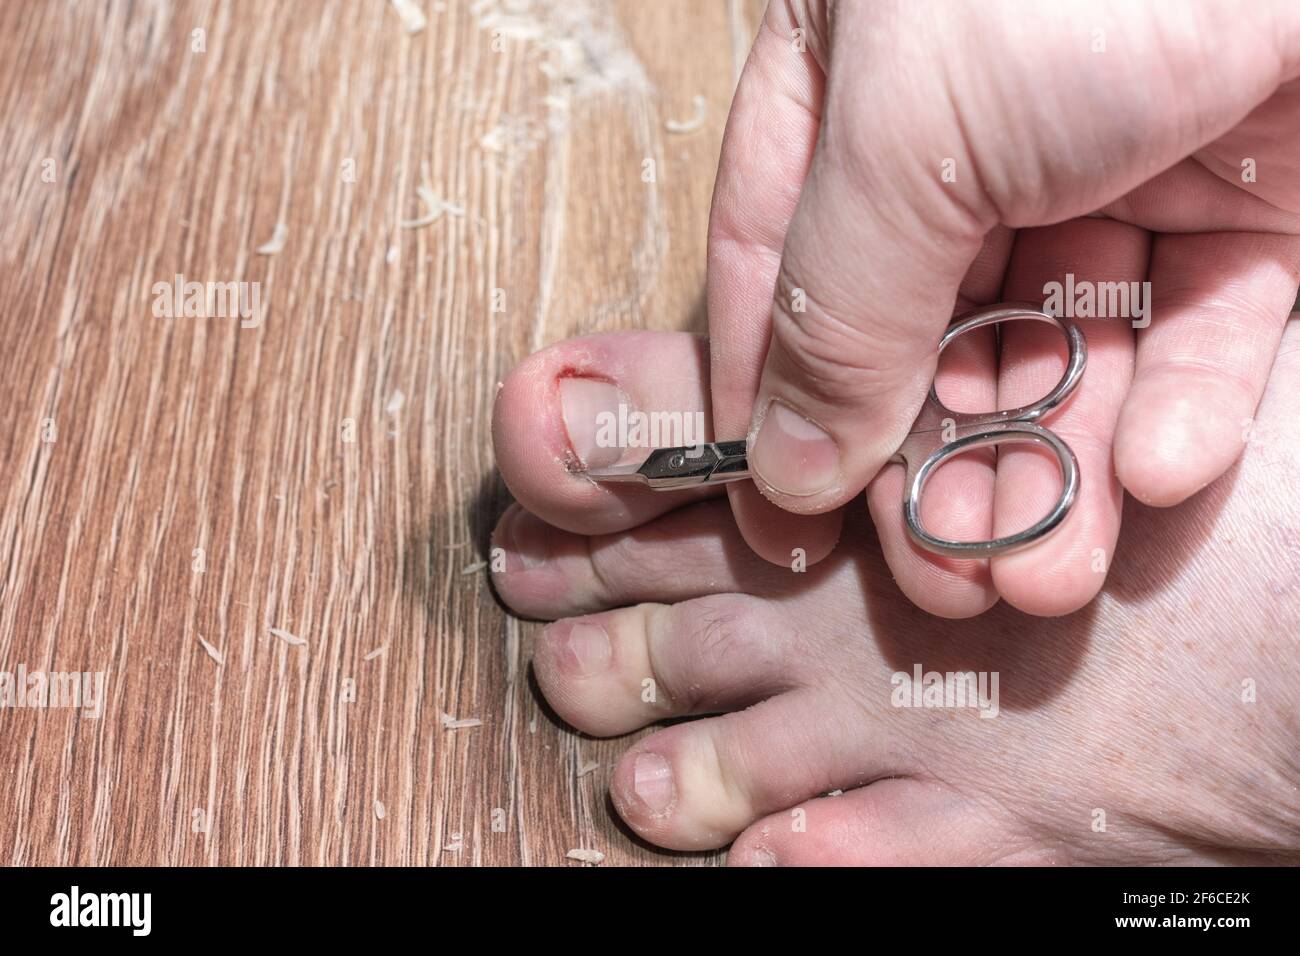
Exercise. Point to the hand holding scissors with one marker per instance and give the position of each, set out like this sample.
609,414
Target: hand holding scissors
937,435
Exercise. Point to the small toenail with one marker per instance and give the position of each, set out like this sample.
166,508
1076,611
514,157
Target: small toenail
589,406
525,542
652,780
761,856
584,651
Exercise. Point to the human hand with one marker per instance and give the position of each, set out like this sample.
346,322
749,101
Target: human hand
875,166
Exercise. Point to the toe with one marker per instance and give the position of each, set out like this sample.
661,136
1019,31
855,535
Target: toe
611,673
697,785
543,572
889,823
590,402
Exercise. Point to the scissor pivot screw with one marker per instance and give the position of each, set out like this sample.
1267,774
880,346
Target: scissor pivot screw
678,460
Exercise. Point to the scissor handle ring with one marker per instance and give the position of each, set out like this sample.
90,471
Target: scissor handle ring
1075,362
1010,432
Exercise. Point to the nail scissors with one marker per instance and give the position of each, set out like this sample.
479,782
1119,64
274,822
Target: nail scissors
937,435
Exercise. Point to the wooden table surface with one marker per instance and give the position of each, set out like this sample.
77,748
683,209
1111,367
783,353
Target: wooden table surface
309,488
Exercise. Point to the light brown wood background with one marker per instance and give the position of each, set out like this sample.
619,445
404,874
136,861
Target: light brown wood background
133,149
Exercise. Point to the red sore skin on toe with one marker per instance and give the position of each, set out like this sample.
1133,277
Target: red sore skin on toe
533,448
573,464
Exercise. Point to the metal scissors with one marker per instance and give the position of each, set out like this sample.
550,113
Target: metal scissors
938,434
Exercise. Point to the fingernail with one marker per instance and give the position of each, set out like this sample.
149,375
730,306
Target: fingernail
652,780
591,413
525,539
792,454
584,651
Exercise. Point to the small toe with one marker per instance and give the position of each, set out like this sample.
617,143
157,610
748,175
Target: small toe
544,572
611,673
697,785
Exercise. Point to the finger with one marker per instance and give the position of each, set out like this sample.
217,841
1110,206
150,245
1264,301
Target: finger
766,149
777,535
1221,102
1065,571
696,785
561,410
611,673
1258,146
878,241
1189,198
861,300
1221,302
889,823
958,503
545,572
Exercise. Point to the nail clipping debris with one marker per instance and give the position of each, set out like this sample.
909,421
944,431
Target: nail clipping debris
586,856
455,723
696,122
212,652
435,206
276,242
288,638
413,19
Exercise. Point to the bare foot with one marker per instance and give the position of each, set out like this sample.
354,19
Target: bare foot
1156,725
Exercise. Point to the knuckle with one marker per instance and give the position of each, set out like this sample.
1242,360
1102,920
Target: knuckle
723,627
830,353
626,564
723,634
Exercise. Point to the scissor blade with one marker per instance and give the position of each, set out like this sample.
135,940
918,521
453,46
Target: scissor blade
628,473
668,468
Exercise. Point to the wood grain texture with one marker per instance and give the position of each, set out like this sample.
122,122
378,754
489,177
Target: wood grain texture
327,472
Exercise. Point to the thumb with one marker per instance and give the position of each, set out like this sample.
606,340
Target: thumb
869,274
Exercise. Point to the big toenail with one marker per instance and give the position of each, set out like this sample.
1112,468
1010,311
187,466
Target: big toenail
584,651
525,542
591,410
652,779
